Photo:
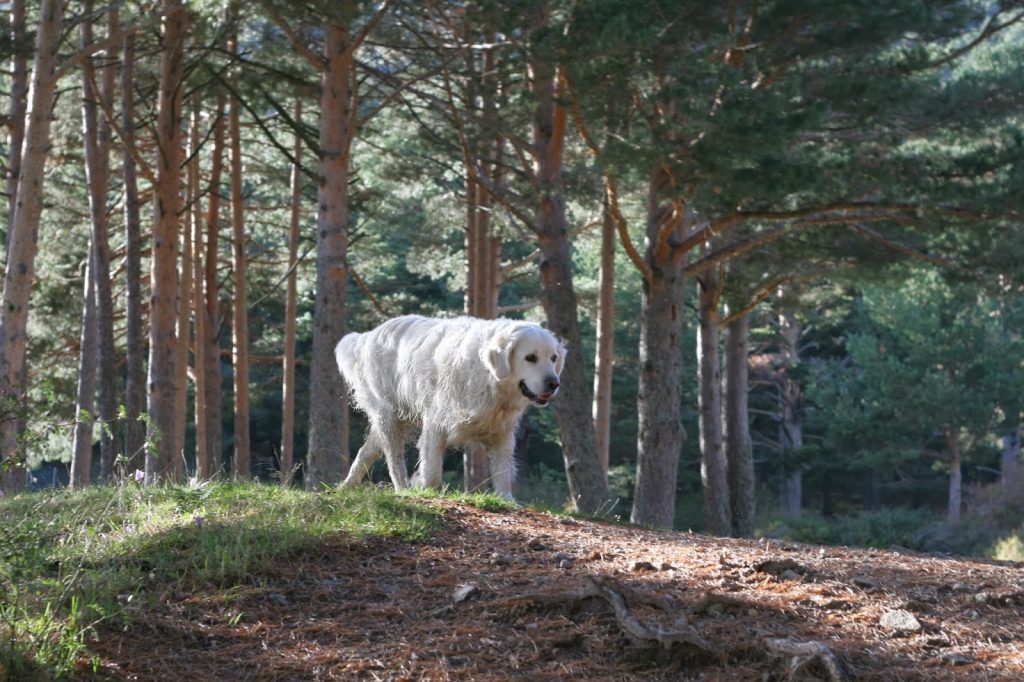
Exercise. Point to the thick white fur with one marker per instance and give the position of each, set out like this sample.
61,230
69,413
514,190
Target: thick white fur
455,381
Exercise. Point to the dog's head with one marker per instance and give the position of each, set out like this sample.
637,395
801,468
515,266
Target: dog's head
531,357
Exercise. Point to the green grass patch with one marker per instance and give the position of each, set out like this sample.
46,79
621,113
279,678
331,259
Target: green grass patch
69,559
491,502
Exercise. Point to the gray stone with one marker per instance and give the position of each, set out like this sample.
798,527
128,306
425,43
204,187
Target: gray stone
900,620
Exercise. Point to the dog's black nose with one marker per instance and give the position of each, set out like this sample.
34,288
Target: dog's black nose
551,384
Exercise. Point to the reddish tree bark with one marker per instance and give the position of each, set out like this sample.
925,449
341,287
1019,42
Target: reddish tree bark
162,380
22,243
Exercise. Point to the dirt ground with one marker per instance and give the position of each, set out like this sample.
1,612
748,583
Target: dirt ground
532,596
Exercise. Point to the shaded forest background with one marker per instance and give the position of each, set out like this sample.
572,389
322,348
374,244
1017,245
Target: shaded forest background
783,241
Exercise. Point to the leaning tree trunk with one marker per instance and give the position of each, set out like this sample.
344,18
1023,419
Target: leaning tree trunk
738,447
713,469
953,452
22,244
97,163
135,349
291,312
660,435
19,91
203,465
587,487
242,462
604,356
1009,461
81,446
162,381
327,456
791,431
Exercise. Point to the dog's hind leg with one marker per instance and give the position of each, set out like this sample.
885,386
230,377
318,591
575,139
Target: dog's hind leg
364,460
431,446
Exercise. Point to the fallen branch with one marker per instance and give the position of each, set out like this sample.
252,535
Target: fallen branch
806,653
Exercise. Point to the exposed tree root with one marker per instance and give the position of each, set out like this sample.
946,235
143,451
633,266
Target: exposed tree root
618,596
805,654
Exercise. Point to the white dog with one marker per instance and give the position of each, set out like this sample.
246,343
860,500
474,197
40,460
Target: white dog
456,381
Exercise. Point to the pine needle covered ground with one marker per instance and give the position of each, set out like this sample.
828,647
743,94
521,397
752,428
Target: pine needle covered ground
249,582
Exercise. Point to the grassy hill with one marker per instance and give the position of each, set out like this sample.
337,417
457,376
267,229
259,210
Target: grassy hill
254,582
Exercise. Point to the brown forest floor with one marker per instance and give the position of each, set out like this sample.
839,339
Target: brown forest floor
386,610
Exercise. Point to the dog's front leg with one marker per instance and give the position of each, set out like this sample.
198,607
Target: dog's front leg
394,451
431,445
503,468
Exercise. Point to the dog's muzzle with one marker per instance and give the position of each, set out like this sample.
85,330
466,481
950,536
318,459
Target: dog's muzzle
551,386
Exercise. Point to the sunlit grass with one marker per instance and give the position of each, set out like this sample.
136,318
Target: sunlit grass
69,559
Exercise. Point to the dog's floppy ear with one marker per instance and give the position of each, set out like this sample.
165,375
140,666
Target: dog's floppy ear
496,356
560,361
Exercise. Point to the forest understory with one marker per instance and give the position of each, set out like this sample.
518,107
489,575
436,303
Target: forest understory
525,594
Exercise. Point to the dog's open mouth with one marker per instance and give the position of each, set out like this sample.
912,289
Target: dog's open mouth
541,399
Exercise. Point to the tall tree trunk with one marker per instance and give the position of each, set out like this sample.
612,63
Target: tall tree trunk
96,173
955,474
204,465
660,434
791,431
163,273
604,356
81,449
291,313
713,468
19,91
181,352
327,456
738,447
587,487
135,349
97,163
1009,462
475,467
22,244
211,325
240,312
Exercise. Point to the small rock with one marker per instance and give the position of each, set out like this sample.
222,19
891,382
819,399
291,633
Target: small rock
900,620
565,564
972,613
778,567
916,606
953,658
464,592
644,566
962,587
499,559
278,598
564,556
536,544
790,574
866,583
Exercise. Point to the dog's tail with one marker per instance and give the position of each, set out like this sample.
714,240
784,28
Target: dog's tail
345,353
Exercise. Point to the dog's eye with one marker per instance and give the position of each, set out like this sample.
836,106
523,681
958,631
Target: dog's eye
554,358
532,357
